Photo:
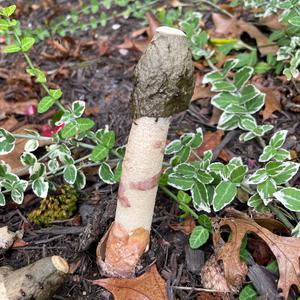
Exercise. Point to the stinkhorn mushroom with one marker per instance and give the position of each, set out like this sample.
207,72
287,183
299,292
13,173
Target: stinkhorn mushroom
163,87
38,280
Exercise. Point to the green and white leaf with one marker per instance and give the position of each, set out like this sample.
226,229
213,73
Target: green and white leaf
267,154
278,139
266,190
40,187
242,76
99,153
200,197
45,104
258,176
78,108
31,145
289,197
80,181
84,124
180,182
28,159
237,175
7,142
106,174
225,193
173,147
70,173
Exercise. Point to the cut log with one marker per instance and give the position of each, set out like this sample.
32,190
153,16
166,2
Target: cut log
37,281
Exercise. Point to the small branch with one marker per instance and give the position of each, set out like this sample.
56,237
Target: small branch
223,11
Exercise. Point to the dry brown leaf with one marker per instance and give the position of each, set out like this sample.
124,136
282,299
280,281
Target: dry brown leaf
13,158
149,286
186,226
233,28
200,90
212,296
285,249
272,22
210,141
153,25
272,101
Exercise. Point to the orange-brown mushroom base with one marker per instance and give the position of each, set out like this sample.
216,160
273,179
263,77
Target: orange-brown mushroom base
118,252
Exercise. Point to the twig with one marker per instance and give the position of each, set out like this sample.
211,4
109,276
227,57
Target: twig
223,11
197,289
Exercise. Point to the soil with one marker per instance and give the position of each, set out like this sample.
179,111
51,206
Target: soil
105,82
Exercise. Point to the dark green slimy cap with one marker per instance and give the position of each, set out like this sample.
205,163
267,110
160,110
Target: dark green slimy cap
164,79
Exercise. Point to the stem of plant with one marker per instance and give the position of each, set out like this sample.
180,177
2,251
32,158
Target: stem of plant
280,216
174,197
29,62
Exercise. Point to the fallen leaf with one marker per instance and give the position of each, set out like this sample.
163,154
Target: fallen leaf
13,158
149,286
201,90
153,25
285,249
212,296
186,226
272,101
233,28
272,22
210,141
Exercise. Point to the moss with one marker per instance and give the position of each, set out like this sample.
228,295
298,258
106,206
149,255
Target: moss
60,206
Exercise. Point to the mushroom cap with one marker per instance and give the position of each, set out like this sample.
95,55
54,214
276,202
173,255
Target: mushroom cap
163,77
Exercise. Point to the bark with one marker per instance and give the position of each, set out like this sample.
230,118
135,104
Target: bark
38,280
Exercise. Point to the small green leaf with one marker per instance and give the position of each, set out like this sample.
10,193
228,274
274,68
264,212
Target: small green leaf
248,293
258,176
212,77
197,139
204,177
55,94
242,76
185,169
295,21
26,43
237,175
45,103
200,197
13,48
2,199
69,130
7,142
184,197
108,139
106,174
224,194
266,190
84,124
205,221
257,203
173,147
180,183
228,121
99,153
28,159
31,145
40,187
282,154
262,67
248,92
289,197
78,108
80,181
223,86
278,139
198,237
8,11
267,154
53,165
229,64
70,173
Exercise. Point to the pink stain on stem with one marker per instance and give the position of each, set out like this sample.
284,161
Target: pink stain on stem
145,185
121,196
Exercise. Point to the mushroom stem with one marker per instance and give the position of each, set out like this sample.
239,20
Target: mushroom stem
163,87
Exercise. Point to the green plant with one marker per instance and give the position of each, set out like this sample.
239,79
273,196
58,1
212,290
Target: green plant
288,14
237,99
